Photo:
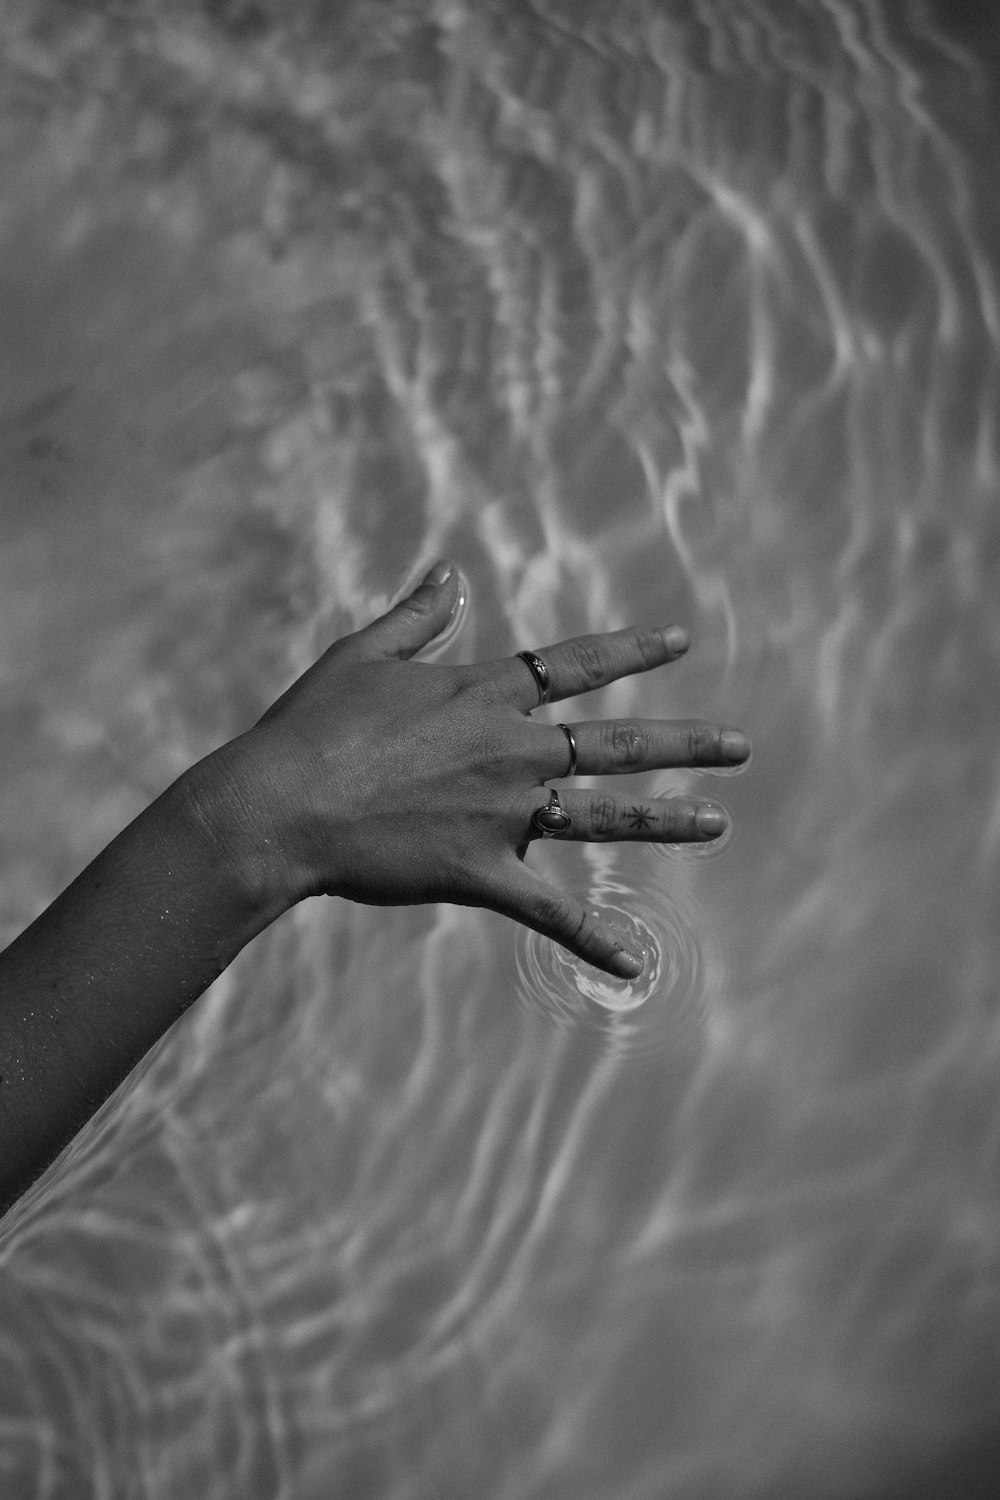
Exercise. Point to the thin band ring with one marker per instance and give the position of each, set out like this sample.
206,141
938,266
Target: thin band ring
572,748
540,673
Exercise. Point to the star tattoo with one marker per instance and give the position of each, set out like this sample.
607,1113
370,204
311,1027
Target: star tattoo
640,817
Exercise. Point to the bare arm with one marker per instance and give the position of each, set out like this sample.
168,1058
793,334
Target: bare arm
103,972
375,778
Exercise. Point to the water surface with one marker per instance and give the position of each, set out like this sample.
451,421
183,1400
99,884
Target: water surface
648,311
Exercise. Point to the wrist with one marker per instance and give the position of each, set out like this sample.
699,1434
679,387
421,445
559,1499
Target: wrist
228,802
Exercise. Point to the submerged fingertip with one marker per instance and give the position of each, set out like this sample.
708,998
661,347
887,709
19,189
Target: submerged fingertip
734,745
676,639
627,965
711,822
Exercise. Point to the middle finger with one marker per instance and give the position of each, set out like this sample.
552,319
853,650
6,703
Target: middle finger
608,747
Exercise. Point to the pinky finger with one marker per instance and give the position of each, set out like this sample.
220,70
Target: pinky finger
525,897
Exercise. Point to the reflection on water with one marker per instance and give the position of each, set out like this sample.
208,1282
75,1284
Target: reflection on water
659,311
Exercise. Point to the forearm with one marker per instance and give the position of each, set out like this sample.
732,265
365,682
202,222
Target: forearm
104,971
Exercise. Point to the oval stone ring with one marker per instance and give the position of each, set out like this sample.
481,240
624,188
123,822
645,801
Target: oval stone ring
551,819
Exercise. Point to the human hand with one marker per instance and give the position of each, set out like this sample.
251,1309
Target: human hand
391,781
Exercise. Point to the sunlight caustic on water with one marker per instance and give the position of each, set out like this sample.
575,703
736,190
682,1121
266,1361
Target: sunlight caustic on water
661,312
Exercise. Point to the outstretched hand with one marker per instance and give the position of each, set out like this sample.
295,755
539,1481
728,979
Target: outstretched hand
374,777
391,781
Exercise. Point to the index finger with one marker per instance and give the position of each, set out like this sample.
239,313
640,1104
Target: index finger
585,662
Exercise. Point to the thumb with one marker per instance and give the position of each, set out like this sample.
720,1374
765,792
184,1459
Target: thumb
415,620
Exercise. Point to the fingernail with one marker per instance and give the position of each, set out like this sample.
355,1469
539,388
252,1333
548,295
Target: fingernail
627,965
439,573
676,640
711,821
735,746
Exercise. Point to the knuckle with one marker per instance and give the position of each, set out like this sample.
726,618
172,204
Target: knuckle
698,743
628,745
604,816
648,647
670,819
581,930
491,754
475,688
690,743
702,741
418,605
588,661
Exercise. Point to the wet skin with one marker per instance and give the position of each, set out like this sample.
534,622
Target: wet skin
374,777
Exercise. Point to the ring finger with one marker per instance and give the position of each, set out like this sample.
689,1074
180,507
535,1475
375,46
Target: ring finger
599,817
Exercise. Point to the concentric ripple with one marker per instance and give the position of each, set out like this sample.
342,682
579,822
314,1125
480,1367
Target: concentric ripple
665,1009
672,786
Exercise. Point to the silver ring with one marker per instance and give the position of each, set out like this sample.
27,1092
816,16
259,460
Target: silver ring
540,673
572,748
551,819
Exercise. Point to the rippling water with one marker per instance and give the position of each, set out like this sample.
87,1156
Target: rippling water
640,311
